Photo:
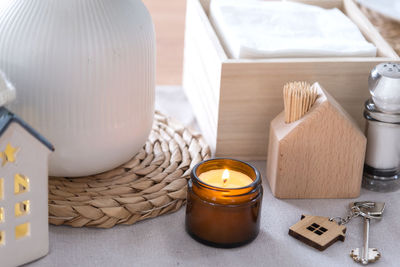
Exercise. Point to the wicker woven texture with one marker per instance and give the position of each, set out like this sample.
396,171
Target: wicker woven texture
389,29
153,183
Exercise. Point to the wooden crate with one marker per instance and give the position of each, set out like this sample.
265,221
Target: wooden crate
234,100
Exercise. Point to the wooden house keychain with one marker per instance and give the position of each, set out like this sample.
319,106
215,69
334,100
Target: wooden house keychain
321,232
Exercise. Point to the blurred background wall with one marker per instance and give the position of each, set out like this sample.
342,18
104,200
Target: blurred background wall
169,20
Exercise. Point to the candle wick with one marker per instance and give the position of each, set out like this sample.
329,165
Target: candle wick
225,176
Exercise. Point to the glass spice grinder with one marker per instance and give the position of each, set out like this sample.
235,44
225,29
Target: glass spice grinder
382,112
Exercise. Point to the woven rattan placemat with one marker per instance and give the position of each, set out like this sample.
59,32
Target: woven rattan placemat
152,183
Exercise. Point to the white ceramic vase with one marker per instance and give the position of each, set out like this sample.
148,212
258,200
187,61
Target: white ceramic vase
84,71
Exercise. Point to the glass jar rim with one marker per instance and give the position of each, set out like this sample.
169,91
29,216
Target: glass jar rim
256,182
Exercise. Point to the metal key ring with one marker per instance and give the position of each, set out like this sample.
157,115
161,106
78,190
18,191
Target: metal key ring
338,220
357,210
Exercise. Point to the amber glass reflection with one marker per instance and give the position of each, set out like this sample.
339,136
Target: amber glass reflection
223,217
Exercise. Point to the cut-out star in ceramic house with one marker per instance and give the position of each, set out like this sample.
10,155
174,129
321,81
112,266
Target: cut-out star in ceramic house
8,155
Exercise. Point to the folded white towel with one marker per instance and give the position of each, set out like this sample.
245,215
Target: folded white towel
264,29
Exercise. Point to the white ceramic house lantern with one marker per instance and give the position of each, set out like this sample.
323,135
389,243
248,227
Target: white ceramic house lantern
85,73
24,231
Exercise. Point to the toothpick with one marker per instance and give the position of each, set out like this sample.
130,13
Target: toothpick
298,99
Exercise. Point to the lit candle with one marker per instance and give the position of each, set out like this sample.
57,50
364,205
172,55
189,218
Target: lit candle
224,202
225,178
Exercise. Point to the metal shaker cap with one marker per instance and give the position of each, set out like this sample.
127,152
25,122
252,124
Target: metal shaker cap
384,86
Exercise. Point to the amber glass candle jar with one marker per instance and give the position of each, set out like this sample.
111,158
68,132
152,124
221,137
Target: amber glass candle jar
224,217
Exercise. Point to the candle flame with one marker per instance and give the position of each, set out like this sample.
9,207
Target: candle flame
225,176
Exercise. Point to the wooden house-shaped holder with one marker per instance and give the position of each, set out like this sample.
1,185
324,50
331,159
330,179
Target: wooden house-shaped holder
320,155
24,233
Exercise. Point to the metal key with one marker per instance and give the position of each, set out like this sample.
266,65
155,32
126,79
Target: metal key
368,210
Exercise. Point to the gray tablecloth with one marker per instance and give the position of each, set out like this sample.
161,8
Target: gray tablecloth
163,241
